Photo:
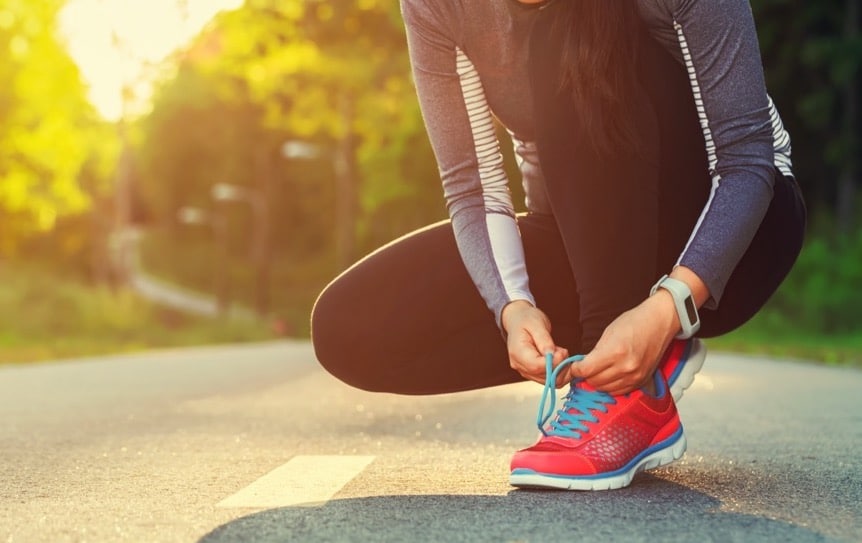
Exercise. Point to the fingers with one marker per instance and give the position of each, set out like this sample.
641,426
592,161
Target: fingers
564,377
591,365
542,340
529,340
527,361
614,385
616,374
525,357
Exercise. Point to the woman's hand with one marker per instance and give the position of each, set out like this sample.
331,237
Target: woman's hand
627,354
631,347
529,338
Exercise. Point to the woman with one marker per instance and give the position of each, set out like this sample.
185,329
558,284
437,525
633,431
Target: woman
658,182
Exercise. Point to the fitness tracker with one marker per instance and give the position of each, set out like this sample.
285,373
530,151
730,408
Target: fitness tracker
685,306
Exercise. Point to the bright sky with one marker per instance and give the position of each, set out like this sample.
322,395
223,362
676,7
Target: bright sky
148,30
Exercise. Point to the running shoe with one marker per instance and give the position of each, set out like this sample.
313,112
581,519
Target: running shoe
680,363
598,441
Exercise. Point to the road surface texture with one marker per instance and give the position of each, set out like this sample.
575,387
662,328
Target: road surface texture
257,443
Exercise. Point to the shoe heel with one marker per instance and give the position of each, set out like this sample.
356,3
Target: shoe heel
695,358
667,455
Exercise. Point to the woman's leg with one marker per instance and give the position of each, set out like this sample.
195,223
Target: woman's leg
407,318
625,217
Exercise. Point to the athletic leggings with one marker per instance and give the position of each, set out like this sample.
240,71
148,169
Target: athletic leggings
407,318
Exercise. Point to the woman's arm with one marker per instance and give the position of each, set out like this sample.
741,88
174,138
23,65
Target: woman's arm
718,43
462,133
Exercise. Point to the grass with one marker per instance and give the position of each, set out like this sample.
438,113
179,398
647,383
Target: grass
295,281
762,336
46,317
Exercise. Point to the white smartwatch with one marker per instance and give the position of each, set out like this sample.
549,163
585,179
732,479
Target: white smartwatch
686,309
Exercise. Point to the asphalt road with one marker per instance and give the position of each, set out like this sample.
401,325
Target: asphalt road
149,447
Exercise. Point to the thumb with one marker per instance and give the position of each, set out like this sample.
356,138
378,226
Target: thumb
581,370
594,362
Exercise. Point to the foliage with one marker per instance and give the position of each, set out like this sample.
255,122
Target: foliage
52,147
822,294
192,140
813,61
68,318
194,265
816,313
760,336
329,73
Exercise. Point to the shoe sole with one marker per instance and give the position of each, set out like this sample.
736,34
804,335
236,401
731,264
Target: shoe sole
662,454
679,382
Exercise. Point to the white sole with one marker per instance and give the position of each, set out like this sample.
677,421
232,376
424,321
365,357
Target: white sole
662,457
693,364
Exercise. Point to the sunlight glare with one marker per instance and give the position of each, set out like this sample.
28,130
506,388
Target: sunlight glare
114,42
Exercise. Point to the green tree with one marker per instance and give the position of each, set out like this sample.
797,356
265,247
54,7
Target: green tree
813,58
49,134
338,73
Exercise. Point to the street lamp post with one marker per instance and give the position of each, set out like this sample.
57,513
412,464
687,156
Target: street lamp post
218,224
258,200
296,149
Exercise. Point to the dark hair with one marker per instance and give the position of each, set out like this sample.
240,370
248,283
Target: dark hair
600,45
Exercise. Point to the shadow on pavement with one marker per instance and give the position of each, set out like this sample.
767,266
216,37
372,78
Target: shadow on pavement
651,510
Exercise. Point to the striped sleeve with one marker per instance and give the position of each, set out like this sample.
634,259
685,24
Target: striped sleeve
744,138
462,133
489,160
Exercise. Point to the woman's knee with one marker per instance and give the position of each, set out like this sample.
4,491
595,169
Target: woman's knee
329,332
344,341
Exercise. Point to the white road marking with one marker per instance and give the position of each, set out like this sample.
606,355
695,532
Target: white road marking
304,480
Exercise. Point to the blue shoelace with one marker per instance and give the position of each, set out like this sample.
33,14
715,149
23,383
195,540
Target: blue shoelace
578,405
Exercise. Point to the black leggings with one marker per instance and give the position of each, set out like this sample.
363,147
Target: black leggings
407,318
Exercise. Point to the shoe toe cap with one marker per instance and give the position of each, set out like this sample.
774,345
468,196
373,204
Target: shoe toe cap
553,459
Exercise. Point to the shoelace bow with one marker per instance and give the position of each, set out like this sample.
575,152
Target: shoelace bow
578,405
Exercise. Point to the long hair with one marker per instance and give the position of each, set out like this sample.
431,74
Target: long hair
600,45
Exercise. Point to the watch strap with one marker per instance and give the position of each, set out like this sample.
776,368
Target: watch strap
686,309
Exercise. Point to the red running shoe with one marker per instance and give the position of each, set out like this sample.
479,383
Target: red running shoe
598,441
680,363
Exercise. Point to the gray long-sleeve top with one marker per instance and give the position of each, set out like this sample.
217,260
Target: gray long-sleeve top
469,61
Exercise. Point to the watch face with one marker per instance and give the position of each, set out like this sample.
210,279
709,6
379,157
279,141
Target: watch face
691,310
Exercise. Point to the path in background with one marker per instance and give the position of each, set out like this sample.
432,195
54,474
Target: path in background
164,293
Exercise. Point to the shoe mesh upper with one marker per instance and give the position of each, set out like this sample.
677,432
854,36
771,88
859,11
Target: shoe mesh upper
617,444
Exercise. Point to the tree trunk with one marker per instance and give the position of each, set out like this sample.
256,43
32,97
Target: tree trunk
120,242
848,178
262,231
346,188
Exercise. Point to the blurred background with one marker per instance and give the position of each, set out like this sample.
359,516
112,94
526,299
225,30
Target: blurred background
179,172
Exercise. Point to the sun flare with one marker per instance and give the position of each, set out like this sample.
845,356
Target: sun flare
117,42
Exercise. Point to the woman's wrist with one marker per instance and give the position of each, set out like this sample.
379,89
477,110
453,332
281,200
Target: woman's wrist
663,310
664,307
699,290
511,309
